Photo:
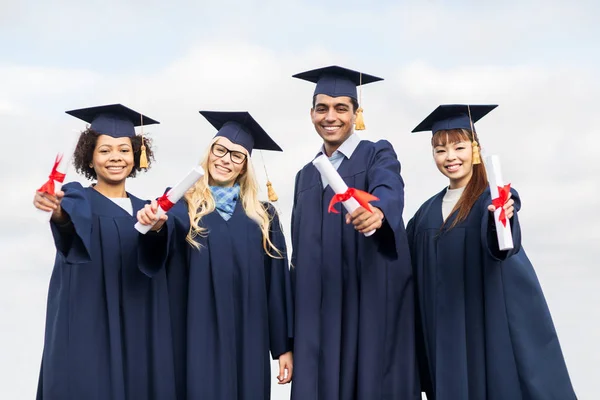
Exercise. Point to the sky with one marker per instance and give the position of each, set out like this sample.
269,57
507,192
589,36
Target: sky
537,59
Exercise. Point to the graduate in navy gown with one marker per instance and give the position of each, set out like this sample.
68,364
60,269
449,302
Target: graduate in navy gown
354,299
231,248
485,328
104,333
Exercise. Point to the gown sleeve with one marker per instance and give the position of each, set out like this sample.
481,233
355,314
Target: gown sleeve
386,183
73,239
279,291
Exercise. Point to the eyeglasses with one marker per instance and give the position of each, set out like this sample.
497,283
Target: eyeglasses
237,157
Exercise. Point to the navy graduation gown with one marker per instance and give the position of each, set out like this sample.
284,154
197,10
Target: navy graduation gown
104,331
354,300
485,328
238,305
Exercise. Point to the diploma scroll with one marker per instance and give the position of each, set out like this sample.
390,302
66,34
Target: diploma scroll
499,193
337,184
57,176
173,196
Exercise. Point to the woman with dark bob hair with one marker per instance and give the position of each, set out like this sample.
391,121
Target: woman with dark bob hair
102,339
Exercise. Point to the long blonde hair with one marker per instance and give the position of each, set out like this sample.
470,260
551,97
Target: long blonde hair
200,202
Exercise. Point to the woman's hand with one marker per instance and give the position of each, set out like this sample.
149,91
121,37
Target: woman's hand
286,363
47,202
509,207
147,216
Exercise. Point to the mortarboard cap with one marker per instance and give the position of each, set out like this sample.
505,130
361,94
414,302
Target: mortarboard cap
336,81
114,120
242,129
454,116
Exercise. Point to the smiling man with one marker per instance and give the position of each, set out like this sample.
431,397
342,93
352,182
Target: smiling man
354,327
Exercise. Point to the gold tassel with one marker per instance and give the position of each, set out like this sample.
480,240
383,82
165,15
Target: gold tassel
143,157
359,124
476,156
272,195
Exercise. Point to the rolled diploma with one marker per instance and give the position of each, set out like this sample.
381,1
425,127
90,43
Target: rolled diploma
62,167
494,173
175,194
336,182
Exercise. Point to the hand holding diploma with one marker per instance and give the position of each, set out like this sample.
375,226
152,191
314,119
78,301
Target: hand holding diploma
365,218
48,196
50,205
152,216
502,205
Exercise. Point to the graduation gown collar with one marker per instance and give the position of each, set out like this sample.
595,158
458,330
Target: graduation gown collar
105,206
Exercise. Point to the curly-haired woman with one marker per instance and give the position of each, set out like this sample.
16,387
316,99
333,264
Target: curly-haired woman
102,340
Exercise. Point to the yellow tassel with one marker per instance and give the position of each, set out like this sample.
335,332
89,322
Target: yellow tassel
359,124
271,192
476,157
143,157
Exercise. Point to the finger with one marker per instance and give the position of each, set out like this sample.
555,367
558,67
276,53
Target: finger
143,217
362,218
288,378
510,212
373,222
281,375
149,212
491,208
509,203
357,213
154,206
59,195
370,228
43,207
46,203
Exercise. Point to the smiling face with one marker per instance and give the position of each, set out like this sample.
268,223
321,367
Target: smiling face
453,155
226,161
333,118
112,160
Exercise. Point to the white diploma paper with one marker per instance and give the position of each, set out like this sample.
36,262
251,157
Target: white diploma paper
175,194
494,173
337,184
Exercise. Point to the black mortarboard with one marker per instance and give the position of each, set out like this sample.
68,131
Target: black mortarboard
114,120
242,129
454,116
336,81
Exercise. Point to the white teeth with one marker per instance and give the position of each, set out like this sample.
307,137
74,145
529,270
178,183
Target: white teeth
222,168
452,168
331,128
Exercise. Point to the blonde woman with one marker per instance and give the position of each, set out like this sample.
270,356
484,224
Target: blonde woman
225,249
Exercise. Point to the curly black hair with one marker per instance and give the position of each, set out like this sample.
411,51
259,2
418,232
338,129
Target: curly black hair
84,153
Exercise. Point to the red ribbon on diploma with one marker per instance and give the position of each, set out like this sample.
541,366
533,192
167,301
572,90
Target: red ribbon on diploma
363,199
164,202
48,187
499,202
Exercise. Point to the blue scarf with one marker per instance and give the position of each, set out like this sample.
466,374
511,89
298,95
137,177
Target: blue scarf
225,199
